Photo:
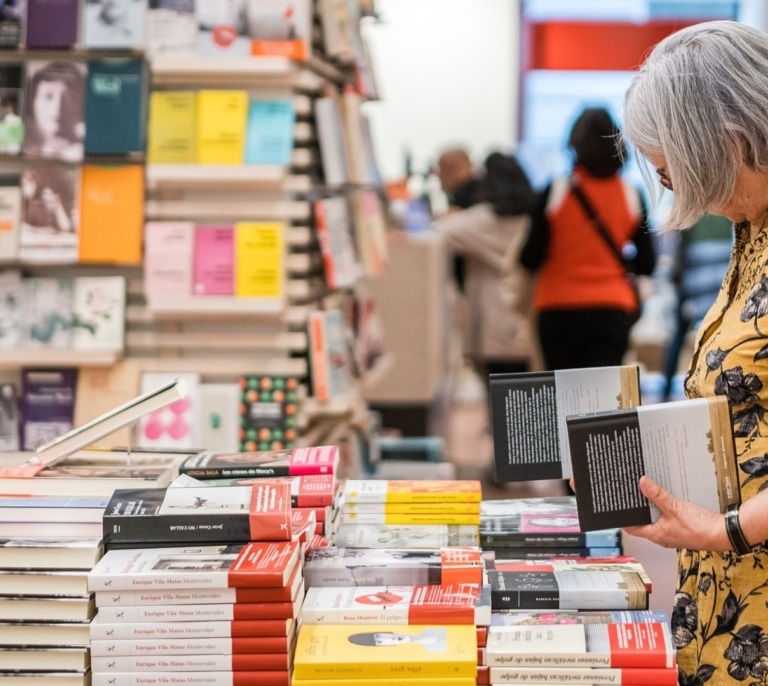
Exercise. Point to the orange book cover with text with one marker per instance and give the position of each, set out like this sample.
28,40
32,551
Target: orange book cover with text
379,651
411,491
112,214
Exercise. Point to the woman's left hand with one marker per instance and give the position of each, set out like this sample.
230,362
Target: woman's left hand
681,524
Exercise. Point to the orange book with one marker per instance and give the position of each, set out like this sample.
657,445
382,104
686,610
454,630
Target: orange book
112,214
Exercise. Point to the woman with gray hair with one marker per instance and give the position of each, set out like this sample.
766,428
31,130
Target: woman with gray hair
697,112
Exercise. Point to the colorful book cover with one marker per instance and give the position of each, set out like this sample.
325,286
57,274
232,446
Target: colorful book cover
11,124
172,128
52,23
260,260
259,512
334,233
99,313
171,27
330,366
11,308
114,24
406,491
10,423
50,208
221,125
168,255
10,216
11,24
112,196
376,651
252,565
214,260
545,453
269,136
47,404
437,604
172,426
659,676
222,27
268,407
280,27
407,508
116,106
54,97
47,313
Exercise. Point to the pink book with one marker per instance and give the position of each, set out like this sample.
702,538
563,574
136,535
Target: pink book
168,250
214,260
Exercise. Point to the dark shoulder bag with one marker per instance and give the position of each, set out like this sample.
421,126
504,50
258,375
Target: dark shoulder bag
606,236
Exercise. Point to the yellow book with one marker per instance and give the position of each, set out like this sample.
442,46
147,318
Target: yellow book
408,518
381,651
407,491
259,260
422,681
172,129
221,125
410,508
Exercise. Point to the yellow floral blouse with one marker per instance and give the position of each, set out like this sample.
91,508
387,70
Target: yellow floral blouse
720,614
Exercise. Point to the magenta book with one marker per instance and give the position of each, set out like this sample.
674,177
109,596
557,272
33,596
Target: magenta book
214,260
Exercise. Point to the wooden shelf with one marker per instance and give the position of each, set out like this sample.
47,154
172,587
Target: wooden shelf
232,210
223,366
13,358
215,306
228,176
279,341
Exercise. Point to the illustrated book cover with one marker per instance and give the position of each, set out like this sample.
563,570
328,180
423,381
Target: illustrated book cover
99,313
528,411
268,407
114,25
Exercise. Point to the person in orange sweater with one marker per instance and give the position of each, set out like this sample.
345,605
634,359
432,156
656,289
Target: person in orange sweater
583,300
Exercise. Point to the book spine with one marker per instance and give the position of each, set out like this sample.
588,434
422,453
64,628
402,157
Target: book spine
219,678
409,508
593,676
381,669
103,630
189,663
252,472
194,596
234,527
194,646
408,518
510,539
187,613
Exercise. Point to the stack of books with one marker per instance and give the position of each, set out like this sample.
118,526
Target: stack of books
226,614
542,527
401,514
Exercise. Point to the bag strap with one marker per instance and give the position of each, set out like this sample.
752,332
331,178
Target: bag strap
597,223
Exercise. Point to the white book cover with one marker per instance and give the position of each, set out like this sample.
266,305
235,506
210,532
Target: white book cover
218,416
171,27
48,302
168,259
331,140
172,426
10,216
99,313
114,24
222,27
11,308
334,233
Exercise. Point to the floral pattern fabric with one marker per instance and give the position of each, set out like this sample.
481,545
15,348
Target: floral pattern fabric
720,613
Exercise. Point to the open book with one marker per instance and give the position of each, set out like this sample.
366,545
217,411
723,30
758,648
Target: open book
103,425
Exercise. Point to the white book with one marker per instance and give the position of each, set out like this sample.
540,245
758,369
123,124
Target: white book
218,412
99,313
331,140
114,24
171,27
47,313
11,308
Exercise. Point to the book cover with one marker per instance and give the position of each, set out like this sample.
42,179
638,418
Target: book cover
116,105
11,308
62,508
213,271
546,617
52,23
50,553
358,162
280,27
370,231
50,209
10,422
222,28
217,414
644,644
221,124
528,411
269,133
405,535
629,676
99,313
54,99
172,127
170,426
461,604
376,651
314,460
330,366
592,589
268,406
124,631
11,24
11,81
666,441
47,311
260,512
192,646
168,255
411,491
112,196
331,141
339,20
47,405
114,24
260,260
334,233
171,27
10,214
252,565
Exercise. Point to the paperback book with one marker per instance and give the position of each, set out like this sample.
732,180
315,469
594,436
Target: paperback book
190,663
329,359
314,460
126,631
98,311
114,25
334,233
268,407
410,491
172,127
528,411
171,27
47,407
50,553
315,491
669,442
405,535
11,79
9,417
546,617
269,134
208,514
44,582
193,646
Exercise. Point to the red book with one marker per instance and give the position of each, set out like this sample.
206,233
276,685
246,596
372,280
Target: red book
123,631
191,663
258,464
253,565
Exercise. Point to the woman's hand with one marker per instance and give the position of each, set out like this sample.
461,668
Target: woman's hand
681,524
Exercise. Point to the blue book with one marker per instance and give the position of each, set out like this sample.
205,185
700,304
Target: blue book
269,137
115,107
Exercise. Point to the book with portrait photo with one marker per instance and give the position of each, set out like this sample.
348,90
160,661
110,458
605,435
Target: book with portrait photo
10,215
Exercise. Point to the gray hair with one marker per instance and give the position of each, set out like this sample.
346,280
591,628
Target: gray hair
699,100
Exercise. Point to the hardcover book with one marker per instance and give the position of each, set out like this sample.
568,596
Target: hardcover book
592,589
168,254
461,604
314,460
666,441
252,565
172,128
114,24
221,124
52,23
376,651
334,233
47,407
124,631
10,214
268,407
47,313
116,105
99,313
214,260
260,261
407,491
171,27
233,514
11,80
269,134
645,644
330,365
528,411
